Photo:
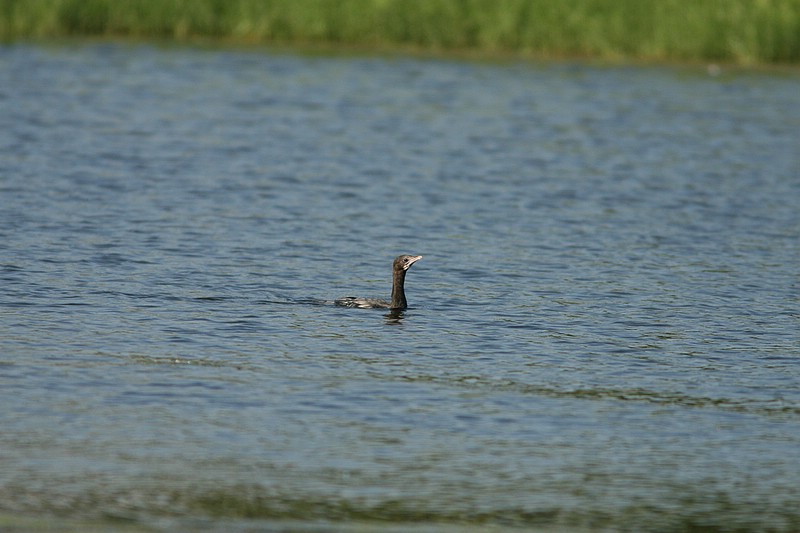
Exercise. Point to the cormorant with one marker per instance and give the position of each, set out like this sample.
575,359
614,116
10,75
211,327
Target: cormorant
399,267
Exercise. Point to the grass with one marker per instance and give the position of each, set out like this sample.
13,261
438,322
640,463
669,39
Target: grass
736,31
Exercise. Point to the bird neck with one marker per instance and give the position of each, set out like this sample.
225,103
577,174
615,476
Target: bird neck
398,294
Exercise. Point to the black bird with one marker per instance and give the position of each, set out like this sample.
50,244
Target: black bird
399,267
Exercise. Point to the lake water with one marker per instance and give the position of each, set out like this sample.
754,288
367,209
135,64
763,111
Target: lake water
604,332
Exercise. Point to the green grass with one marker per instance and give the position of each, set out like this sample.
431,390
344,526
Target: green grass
738,31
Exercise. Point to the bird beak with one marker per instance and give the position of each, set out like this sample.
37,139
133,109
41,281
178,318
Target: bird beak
414,259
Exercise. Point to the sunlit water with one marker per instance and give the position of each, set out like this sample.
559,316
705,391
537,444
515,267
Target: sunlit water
603,332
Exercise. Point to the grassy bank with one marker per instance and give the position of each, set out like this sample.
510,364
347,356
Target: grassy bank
739,31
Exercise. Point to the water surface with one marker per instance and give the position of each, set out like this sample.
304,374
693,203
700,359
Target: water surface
603,333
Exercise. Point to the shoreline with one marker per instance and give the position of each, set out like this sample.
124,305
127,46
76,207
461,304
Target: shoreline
718,69
742,33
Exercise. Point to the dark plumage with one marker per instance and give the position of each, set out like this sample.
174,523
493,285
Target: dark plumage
399,267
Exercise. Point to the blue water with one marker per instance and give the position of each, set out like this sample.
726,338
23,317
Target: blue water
603,333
